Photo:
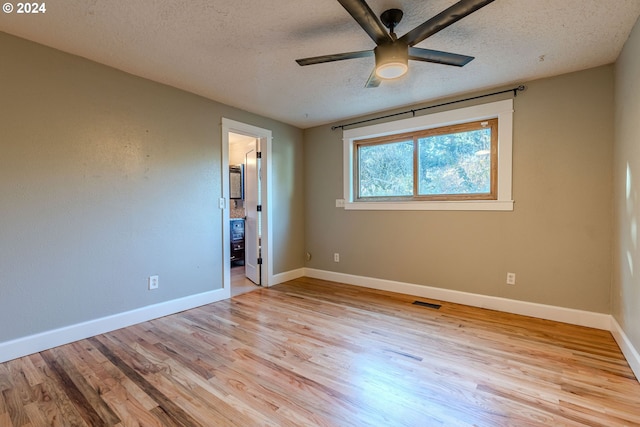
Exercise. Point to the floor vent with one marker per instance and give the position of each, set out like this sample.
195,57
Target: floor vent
427,304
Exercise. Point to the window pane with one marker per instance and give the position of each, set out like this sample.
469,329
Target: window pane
458,163
386,169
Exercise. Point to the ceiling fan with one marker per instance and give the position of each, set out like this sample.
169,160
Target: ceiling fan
392,54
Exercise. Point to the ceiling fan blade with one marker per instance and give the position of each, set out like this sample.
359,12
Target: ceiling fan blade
373,81
446,58
334,57
442,20
362,13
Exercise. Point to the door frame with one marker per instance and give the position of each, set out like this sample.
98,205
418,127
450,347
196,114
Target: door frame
265,137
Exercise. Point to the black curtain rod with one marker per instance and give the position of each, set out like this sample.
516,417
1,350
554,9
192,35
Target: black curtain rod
515,91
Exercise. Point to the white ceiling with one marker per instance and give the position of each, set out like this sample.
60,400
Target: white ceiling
242,53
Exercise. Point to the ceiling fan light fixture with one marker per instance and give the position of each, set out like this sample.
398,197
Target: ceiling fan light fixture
392,53
392,60
391,70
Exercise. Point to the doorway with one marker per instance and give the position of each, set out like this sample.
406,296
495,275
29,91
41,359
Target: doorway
246,148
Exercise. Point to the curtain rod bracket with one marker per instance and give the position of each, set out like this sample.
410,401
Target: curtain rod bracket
517,89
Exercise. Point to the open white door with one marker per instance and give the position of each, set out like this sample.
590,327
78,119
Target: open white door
257,243
252,255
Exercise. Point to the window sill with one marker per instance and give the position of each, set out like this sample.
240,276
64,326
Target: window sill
462,205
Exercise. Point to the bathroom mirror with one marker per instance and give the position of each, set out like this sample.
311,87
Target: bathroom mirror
236,182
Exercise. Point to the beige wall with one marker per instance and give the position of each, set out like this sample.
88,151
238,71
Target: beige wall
557,240
626,261
105,179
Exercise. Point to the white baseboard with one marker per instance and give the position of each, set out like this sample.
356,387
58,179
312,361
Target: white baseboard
542,311
629,351
34,343
287,275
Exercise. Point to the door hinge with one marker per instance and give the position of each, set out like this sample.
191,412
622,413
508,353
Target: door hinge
259,208
259,154
259,261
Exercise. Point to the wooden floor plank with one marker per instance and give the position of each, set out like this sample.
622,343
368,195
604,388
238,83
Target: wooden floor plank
5,420
175,412
79,369
46,408
79,394
15,406
316,353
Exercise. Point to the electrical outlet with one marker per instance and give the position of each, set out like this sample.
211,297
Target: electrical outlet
336,257
153,282
511,278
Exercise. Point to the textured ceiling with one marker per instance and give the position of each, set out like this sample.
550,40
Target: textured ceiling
242,53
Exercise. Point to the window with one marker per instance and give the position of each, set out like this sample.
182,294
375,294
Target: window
457,162
453,160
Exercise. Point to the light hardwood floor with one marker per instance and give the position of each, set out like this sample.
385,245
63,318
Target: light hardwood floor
310,352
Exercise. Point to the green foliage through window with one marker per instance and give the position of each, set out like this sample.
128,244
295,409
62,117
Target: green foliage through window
386,169
448,163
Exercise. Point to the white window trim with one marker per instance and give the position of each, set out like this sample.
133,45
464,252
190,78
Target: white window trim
503,110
